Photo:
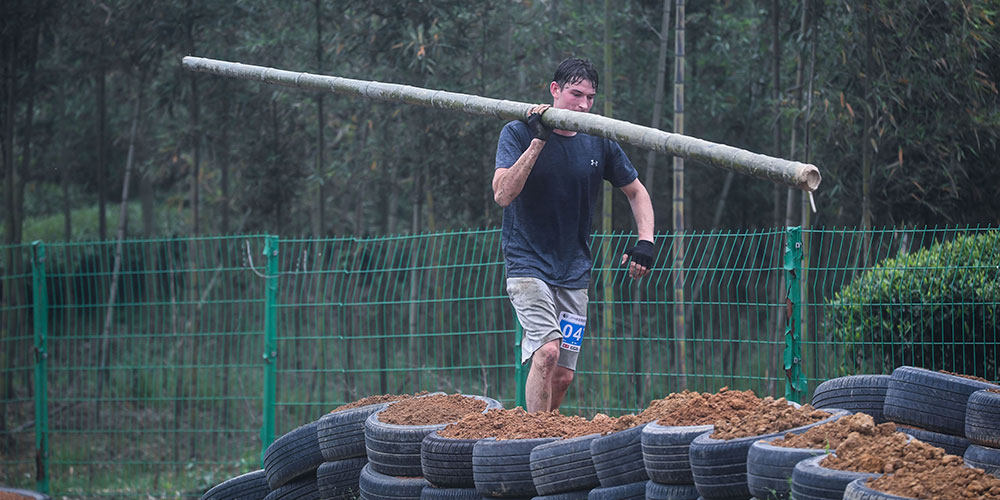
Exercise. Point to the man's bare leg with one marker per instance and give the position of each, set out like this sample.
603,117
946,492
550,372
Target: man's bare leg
561,379
538,388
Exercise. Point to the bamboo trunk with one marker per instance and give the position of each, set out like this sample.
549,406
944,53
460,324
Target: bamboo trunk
791,173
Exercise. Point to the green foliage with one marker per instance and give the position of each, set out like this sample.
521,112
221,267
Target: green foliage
928,308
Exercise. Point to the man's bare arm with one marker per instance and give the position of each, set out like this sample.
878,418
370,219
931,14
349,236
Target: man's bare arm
508,182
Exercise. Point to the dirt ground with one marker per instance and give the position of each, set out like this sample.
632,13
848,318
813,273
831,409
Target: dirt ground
430,410
374,400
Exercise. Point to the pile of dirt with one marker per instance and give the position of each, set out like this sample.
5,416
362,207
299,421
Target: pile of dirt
770,416
431,410
970,377
880,454
911,469
944,478
519,424
830,435
6,495
693,408
374,400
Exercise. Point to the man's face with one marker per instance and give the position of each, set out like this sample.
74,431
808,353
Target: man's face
577,96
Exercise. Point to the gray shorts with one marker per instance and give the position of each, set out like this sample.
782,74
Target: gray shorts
549,313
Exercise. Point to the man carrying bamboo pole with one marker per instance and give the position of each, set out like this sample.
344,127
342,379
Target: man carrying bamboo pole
547,182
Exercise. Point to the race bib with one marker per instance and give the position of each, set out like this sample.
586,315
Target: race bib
572,330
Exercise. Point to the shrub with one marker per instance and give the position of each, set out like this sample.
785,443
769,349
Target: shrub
938,308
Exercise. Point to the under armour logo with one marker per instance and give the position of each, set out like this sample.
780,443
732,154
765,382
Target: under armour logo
593,163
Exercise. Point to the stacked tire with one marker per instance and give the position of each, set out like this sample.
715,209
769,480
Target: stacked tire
854,393
931,406
982,428
564,469
341,437
395,460
666,458
619,465
812,481
719,467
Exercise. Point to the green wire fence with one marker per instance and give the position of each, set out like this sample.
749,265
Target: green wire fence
170,371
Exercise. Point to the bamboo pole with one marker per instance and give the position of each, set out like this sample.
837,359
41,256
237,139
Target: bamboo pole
790,173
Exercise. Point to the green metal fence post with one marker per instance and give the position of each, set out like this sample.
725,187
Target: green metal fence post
40,310
795,388
270,342
520,373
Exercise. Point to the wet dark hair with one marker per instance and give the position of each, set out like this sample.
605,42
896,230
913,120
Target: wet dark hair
575,70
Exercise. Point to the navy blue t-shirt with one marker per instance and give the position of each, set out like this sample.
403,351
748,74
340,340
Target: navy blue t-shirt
546,229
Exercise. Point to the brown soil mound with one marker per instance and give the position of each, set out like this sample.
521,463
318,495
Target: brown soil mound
519,424
880,455
6,495
830,435
946,478
693,408
970,377
770,416
374,400
430,410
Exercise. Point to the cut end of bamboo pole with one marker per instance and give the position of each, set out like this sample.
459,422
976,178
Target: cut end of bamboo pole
811,178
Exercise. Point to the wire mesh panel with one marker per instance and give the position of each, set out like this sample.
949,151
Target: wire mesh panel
361,317
154,367
166,358
17,361
892,297
635,354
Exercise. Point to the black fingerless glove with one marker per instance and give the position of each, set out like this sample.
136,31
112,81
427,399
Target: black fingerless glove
537,127
642,253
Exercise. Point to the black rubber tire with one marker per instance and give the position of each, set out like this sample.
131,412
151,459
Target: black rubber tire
657,491
503,468
719,466
810,481
564,466
394,450
377,486
666,449
447,463
566,495
769,469
431,492
858,490
292,455
930,400
953,445
341,434
339,480
856,393
251,486
629,491
618,458
984,458
982,419
302,488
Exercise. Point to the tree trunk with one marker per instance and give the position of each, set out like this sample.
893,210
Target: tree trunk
319,217
866,140
661,76
102,150
103,377
777,290
8,288
677,266
608,327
